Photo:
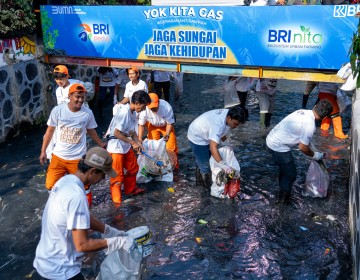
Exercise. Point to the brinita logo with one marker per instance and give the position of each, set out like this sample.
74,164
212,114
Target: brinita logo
100,31
290,37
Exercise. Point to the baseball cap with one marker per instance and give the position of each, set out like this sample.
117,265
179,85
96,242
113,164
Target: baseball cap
154,100
100,159
61,69
134,68
77,88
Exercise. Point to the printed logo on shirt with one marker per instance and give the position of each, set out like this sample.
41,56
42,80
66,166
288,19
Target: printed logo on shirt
218,112
79,213
70,135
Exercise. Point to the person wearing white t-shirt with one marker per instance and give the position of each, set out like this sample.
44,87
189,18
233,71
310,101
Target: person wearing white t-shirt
121,82
296,129
206,132
135,84
66,222
71,121
123,140
159,120
162,84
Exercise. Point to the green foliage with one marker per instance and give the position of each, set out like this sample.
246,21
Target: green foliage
16,18
49,37
354,53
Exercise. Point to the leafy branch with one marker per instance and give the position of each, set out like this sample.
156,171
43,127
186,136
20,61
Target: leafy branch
354,53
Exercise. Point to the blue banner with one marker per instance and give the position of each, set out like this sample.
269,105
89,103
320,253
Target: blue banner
313,37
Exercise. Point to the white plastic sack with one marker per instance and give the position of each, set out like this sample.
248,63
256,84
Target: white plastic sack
227,154
243,84
231,97
147,167
317,180
119,265
345,71
90,91
343,100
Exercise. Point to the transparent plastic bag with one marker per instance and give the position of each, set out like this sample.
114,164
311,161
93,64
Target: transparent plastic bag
317,180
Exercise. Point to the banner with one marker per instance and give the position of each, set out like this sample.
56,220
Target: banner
313,37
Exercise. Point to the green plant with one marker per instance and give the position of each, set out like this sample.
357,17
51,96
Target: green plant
354,53
49,37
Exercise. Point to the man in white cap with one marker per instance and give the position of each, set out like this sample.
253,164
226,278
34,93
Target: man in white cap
66,222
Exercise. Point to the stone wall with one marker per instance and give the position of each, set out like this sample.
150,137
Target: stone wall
354,206
27,93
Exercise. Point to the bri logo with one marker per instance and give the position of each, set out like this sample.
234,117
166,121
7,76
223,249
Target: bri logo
292,37
346,10
98,32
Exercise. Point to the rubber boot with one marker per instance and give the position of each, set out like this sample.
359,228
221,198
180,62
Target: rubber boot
262,119
338,132
267,119
284,198
206,180
198,177
305,100
325,123
115,190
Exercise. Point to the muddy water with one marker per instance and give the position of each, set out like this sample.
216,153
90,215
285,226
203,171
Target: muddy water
248,238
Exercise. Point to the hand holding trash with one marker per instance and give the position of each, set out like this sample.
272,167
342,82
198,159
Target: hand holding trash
116,243
319,155
115,100
112,232
224,166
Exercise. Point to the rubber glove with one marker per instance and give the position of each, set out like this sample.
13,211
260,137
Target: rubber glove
223,165
112,232
115,100
116,243
318,156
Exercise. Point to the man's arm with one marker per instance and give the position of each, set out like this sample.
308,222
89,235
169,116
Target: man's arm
47,138
84,244
141,129
125,100
92,133
168,130
214,151
133,141
306,149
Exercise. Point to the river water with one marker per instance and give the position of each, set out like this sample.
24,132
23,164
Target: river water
247,238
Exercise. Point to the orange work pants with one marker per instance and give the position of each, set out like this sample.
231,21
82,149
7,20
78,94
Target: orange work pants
120,162
154,133
58,168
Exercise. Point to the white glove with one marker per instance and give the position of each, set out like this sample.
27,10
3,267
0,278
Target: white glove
116,243
223,165
115,100
112,232
318,156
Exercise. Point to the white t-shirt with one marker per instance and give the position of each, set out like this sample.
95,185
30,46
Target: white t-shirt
62,93
162,117
66,209
130,88
124,121
108,79
71,130
122,78
210,125
161,76
298,127
328,88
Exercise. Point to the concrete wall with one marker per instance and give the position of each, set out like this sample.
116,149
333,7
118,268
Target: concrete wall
354,206
27,93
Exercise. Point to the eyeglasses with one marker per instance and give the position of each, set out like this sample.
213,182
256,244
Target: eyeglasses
59,76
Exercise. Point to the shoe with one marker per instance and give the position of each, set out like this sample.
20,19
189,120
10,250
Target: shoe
284,198
138,191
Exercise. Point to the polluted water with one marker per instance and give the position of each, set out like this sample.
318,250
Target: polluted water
198,236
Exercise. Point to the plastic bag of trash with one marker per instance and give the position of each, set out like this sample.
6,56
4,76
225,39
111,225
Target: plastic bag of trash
343,100
120,265
231,97
317,180
178,79
219,184
149,167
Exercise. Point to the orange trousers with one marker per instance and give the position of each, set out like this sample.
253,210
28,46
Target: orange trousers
155,132
58,168
120,162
